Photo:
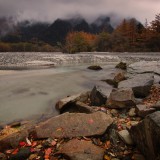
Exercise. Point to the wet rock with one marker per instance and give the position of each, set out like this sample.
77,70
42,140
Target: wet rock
70,125
98,96
121,98
12,140
3,156
64,103
146,136
115,78
125,136
143,110
140,84
132,112
82,150
24,153
95,67
77,107
122,65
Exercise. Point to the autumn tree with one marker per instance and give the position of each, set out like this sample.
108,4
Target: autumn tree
79,42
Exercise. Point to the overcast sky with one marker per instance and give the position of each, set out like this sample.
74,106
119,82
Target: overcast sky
49,10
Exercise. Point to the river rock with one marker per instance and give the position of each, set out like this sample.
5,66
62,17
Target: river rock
121,98
70,125
82,150
65,102
77,107
145,67
125,136
142,110
140,84
122,65
99,95
95,67
115,78
146,136
12,140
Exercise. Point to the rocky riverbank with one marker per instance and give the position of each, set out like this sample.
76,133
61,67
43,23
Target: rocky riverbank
39,60
101,124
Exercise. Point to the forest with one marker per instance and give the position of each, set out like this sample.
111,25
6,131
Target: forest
74,36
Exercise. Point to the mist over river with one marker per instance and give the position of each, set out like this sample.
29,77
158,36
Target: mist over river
30,94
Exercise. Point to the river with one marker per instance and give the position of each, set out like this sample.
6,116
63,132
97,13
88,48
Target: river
31,94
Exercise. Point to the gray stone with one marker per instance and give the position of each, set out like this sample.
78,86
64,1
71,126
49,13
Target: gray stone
125,136
146,136
70,125
63,103
140,84
82,150
121,98
143,110
98,96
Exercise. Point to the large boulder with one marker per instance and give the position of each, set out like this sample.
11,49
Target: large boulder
82,150
140,84
145,67
70,125
121,98
146,135
66,102
99,95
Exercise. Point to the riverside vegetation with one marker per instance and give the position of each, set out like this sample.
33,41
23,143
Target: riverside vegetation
121,124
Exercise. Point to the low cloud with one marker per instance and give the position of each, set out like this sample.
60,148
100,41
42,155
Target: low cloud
49,10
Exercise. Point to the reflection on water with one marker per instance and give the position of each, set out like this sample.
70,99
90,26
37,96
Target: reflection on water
28,94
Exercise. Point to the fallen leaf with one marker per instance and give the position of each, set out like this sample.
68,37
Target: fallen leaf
15,151
28,142
22,144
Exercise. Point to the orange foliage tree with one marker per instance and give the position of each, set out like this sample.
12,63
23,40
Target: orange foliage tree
79,42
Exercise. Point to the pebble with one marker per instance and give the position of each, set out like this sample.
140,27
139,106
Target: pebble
114,112
132,112
125,136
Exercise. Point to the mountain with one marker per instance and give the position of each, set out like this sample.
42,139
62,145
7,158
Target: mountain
56,31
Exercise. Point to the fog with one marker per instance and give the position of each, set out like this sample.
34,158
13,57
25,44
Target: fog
49,10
